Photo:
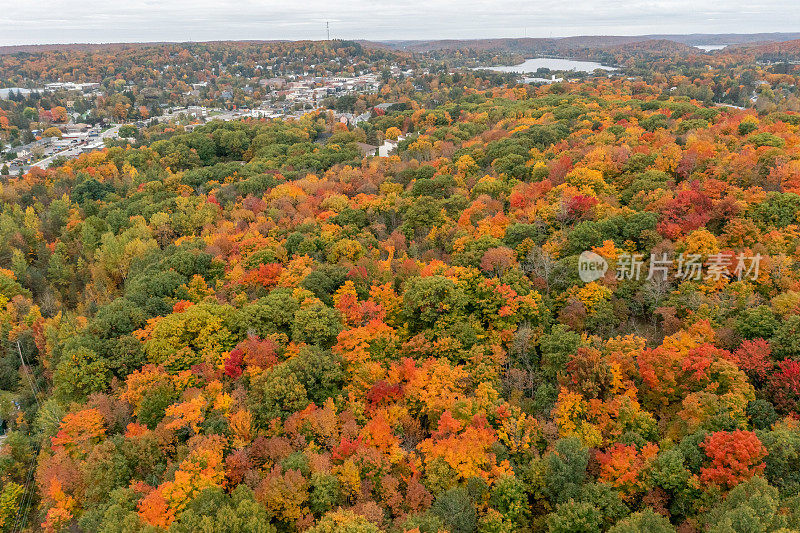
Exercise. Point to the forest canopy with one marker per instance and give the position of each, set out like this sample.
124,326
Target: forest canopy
252,326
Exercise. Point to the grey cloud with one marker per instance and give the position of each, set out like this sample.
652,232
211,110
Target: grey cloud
59,21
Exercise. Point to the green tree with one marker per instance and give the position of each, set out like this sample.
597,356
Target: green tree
786,341
751,506
457,509
645,521
10,500
427,300
607,500
128,130
213,511
509,498
758,322
272,314
565,470
783,457
80,373
557,347
314,375
574,517
316,324
344,522
234,143
324,493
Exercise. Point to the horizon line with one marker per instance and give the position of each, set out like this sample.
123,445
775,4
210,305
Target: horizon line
646,36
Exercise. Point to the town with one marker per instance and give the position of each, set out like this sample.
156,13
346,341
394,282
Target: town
287,97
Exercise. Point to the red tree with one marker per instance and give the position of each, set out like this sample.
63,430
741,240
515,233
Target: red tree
753,356
735,457
784,386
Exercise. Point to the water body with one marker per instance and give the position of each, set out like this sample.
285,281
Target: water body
532,65
17,90
710,47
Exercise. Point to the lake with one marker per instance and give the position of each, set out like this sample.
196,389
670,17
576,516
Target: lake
710,47
4,92
532,65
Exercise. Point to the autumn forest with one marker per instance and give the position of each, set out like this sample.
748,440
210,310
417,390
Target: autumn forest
256,326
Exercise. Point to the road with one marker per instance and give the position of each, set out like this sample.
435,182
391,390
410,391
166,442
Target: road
73,151
111,133
69,152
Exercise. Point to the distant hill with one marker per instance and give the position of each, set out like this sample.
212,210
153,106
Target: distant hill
522,45
653,45
91,47
727,38
80,47
773,51
475,44
584,41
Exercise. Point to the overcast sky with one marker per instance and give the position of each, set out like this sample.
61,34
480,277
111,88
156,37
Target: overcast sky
67,21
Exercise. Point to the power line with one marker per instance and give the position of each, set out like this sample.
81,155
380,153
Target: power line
34,388
27,494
